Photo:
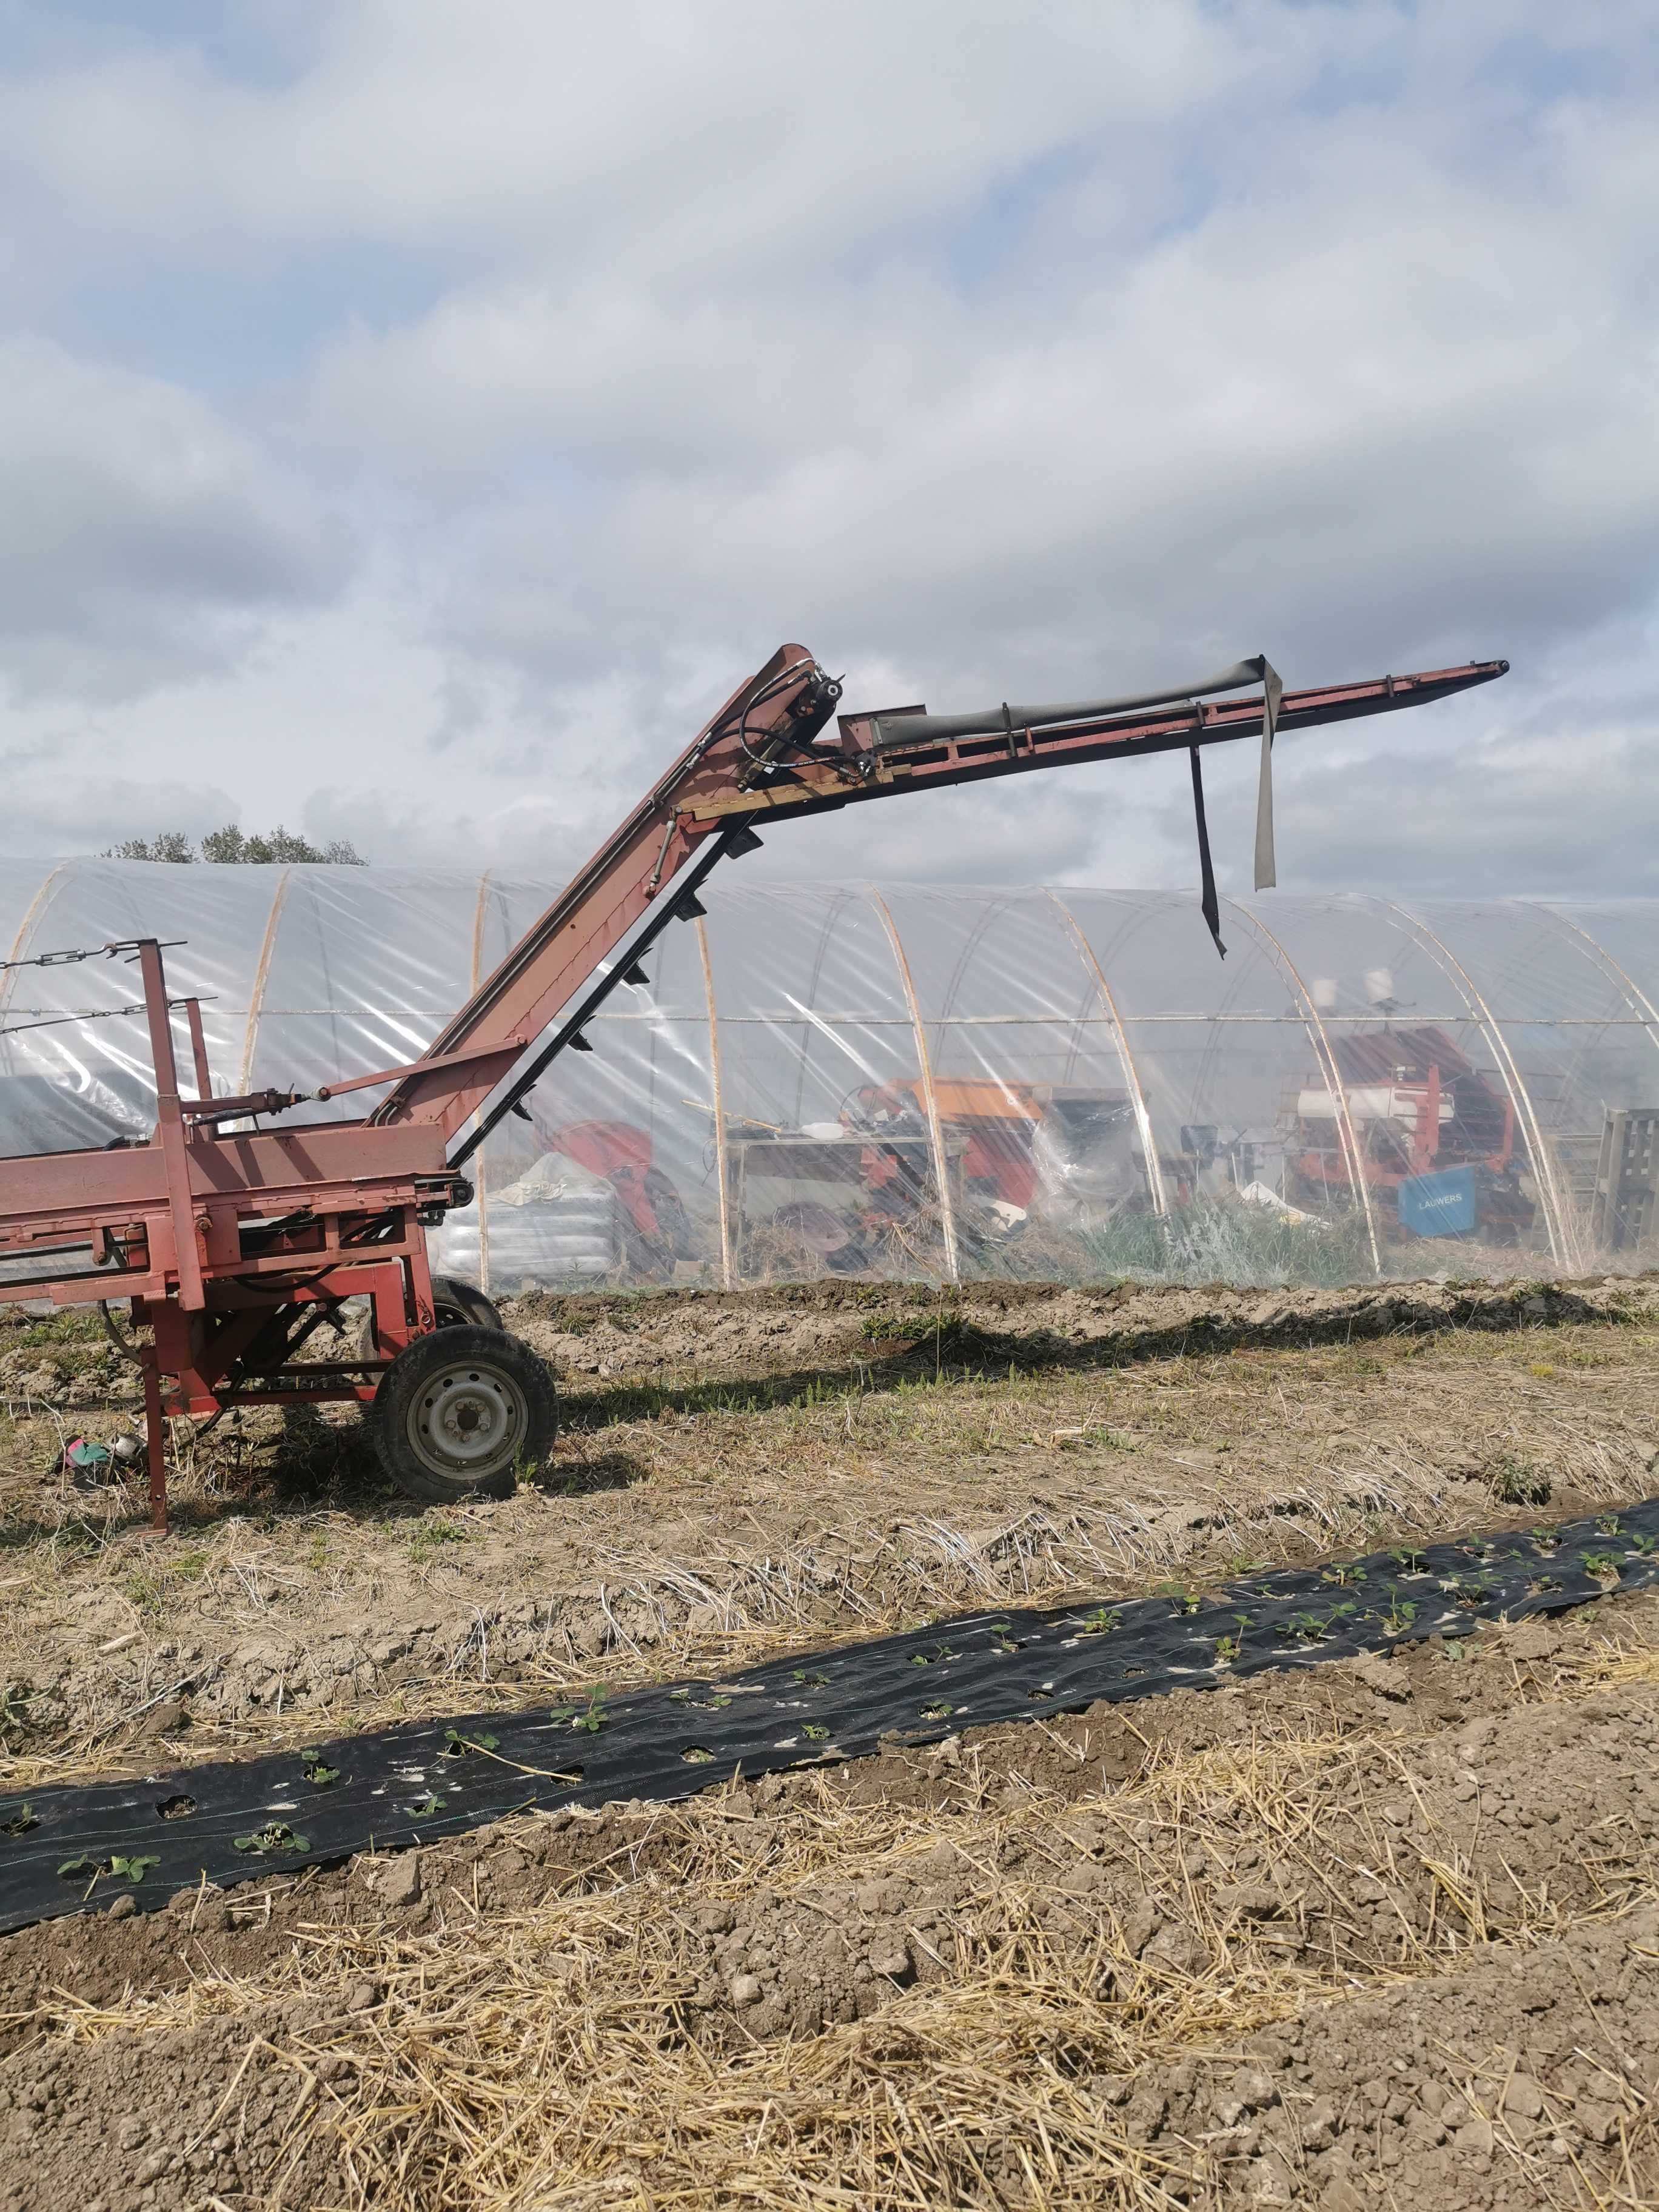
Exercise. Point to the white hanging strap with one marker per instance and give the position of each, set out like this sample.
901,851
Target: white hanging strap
1272,691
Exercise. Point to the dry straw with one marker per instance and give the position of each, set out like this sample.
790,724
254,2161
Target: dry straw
563,2057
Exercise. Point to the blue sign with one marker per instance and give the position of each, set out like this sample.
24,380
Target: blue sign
1442,1205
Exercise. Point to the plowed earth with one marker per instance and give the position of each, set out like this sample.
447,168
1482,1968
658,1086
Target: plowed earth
1380,1933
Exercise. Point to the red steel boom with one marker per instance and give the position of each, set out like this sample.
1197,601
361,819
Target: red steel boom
235,1245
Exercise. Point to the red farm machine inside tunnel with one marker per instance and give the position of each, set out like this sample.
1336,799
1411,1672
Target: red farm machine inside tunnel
1012,1149
655,1231
238,1231
1421,1127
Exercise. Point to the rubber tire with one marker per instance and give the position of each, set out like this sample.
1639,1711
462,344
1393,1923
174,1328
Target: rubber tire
411,1377
454,1301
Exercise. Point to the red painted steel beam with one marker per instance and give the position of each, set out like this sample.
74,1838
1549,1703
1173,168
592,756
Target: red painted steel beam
929,767
171,1140
759,760
329,1167
506,1052
609,896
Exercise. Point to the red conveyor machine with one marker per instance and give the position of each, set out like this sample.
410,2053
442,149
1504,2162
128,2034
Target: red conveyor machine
239,1228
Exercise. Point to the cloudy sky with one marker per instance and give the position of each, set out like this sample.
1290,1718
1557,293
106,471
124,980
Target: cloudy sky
415,417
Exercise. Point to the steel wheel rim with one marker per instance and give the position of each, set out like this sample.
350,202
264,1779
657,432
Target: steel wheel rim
469,1420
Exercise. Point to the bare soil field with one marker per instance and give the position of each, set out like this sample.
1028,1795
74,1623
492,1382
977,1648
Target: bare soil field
1378,1933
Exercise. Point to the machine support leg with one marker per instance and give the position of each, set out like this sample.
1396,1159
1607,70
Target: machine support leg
155,1438
170,1133
198,1049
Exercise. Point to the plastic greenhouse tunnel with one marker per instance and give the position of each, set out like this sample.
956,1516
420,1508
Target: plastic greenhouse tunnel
844,1080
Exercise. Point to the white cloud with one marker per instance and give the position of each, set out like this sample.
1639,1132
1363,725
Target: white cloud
1556,817
49,813
1328,421
139,537
990,351
691,140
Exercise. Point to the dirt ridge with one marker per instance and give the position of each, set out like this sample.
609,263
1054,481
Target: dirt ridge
1395,1928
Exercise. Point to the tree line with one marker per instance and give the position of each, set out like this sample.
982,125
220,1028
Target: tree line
285,847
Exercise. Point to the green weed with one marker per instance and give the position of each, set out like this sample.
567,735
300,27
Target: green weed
593,1716
1513,1481
1302,1628
433,1537
275,1836
891,1328
132,1868
456,1746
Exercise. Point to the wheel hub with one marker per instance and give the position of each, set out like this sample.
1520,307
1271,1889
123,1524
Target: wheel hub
468,1420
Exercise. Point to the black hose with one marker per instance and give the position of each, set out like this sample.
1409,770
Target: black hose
128,1350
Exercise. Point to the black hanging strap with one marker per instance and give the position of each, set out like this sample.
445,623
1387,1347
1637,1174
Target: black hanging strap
1210,905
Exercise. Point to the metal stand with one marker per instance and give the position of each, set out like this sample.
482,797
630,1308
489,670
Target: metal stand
155,1444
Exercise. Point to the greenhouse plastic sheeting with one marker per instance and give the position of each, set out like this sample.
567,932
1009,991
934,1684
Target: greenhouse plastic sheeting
857,1080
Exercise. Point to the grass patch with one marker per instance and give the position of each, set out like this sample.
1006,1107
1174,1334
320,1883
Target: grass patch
1247,1247
432,1538
42,1332
150,1590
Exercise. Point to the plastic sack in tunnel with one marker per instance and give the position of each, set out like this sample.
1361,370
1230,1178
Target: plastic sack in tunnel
1086,1163
559,1221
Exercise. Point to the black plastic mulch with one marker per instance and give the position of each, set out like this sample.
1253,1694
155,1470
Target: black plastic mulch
69,1849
